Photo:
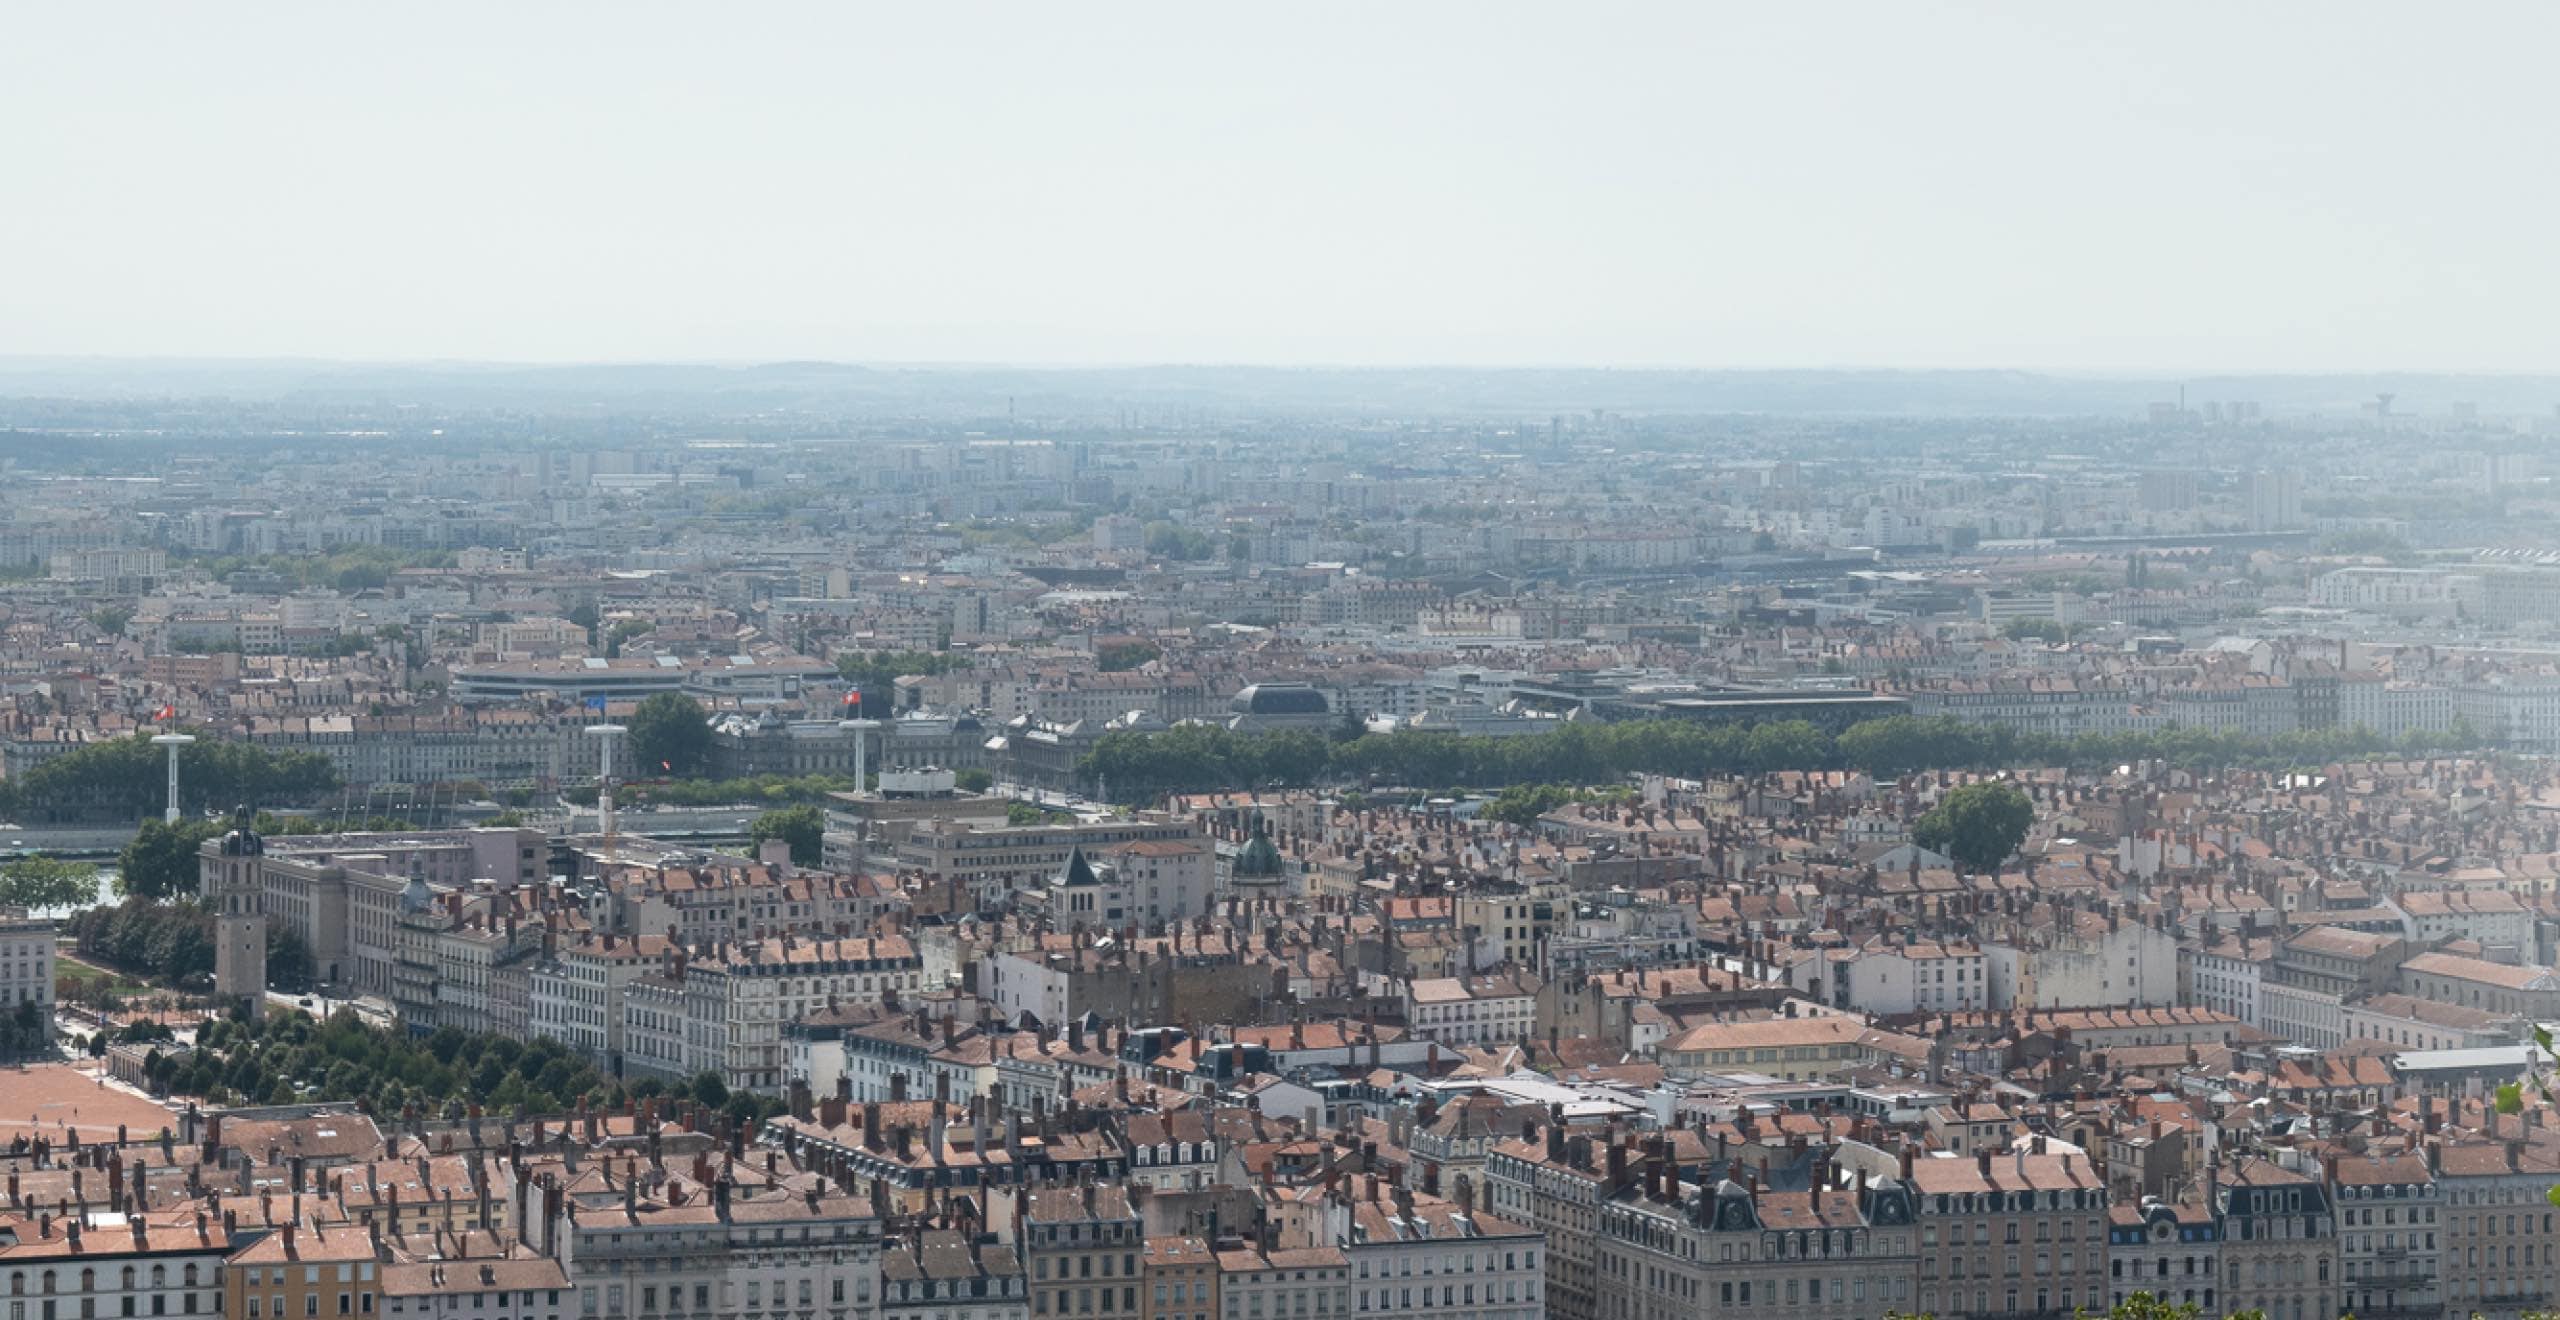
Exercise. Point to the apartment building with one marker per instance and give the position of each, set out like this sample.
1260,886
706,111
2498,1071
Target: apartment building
2390,1235
2498,1246
1550,1184
999,860
1731,1248
723,1008
2304,996
107,1263
2279,1242
26,981
304,1269
2022,1232
1178,1279
1082,1246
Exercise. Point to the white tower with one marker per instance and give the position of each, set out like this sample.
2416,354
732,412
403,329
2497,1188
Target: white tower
175,742
861,731
604,779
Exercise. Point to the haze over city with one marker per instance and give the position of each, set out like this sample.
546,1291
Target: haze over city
1141,662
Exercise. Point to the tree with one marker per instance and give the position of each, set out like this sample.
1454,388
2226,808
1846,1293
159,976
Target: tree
1125,656
25,1033
2042,630
160,863
1023,813
880,669
123,778
1979,825
670,735
111,619
804,828
289,966
1171,542
973,781
623,630
48,882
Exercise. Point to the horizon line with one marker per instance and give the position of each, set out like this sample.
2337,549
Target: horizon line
1137,364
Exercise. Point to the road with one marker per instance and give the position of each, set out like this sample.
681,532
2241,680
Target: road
67,840
1053,800
103,841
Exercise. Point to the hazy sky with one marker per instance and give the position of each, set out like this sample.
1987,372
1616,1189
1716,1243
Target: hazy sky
2216,186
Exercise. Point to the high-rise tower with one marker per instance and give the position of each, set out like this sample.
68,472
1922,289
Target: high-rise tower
233,886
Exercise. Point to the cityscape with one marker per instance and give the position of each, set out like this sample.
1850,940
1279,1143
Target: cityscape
1386,806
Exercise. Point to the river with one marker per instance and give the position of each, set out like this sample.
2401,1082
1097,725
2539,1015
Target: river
107,895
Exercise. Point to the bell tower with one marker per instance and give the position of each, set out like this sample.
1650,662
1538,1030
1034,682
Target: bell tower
232,883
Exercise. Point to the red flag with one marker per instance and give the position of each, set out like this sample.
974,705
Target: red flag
667,766
853,697
169,712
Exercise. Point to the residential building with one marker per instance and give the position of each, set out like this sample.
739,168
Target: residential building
26,982
304,1269
1675,1250
2390,1238
111,1263
2012,1233
1178,1279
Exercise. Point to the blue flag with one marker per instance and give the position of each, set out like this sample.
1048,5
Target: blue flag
595,703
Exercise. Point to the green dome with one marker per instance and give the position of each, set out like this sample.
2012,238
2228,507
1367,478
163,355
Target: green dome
1259,856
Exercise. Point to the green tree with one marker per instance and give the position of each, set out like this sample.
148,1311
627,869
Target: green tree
803,827
159,864
289,966
170,943
877,670
1979,825
1170,542
111,619
1023,813
973,780
125,778
48,882
670,735
623,630
1125,656
2042,630
25,1032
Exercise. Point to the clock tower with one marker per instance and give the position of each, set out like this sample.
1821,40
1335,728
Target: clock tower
232,883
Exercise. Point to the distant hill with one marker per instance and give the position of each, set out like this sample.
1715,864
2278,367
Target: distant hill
1397,392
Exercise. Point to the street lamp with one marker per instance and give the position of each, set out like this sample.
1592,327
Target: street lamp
172,741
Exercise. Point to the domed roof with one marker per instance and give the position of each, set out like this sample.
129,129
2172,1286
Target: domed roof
242,840
415,896
1259,856
1279,699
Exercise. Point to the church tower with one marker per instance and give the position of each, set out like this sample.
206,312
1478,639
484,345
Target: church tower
232,884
